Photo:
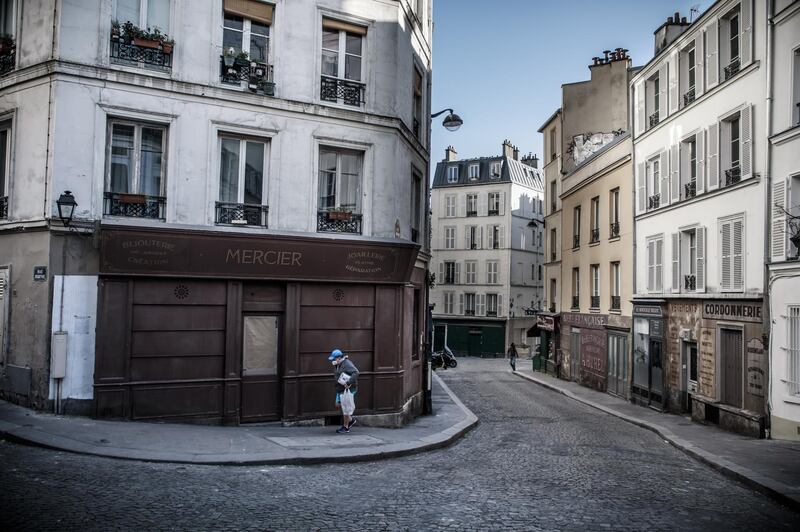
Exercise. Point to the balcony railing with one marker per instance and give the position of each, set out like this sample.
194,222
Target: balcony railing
494,212
594,235
653,119
257,76
654,201
576,241
473,245
338,222
449,279
3,207
733,176
690,190
614,230
8,55
134,205
491,313
130,53
469,312
576,302
688,97
241,214
690,282
594,301
472,213
615,303
732,68
349,92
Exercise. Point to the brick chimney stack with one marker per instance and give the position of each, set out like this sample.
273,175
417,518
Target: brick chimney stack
508,149
450,154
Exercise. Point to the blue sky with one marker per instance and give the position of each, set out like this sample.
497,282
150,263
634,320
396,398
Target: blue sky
500,64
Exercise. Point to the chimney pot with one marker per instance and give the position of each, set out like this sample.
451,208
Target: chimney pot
677,17
450,154
683,20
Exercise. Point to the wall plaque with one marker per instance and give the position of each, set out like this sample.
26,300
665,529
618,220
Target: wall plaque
40,273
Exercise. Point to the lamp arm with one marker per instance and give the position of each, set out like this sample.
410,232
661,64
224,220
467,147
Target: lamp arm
440,112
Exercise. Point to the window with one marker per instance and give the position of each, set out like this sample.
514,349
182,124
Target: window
418,103
450,237
495,237
249,33
469,304
135,180
495,169
732,254
533,272
450,206
241,181
688,166
494,203
339,180
553,151
491,272
474,172
552,244
143,13
731,148
796,88
614,211
472,205
7,18
730,38
471,268
615,285
576,288
653,100
452,174
473,237
653,179
793,349
5,165
491,304
688,75
553,195
595,276
416,206
576,227
448,302
595,234
540,272
655,254
552,295
450,272
342,45
688,260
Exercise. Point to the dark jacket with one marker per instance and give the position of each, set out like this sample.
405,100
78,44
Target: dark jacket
346,367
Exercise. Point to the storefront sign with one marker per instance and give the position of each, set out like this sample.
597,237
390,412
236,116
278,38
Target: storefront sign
154,252
546,323
755,367
647,310
584,320
734,310
657,328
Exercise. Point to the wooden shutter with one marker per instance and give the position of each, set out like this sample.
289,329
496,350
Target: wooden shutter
500,305
675,173
746,39
483,204
663,85
467,230
501,237
638,94
490,237
480,304
461,304
699,58
457,276
651,265
725,255
250,9
462,205
441,278
737,254
700,261
676,266
700,139
502,209
712,55
673,82
746,142
641,186
663,167
660,264
778,219
479,236
713,156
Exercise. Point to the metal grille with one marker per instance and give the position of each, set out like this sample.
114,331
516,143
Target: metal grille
595,235
3,206
241,214
595,302
257,75
328,224
654,201
690,282
653,119
334,89
732,69
688,97
690,190
793,350
615,302
575,302
129,53
134,205
614,233
576,241
733,176
8,59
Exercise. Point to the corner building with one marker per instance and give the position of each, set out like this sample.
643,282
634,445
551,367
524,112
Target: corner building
250,194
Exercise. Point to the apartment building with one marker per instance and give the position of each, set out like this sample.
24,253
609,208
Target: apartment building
487,248
202,199
699,109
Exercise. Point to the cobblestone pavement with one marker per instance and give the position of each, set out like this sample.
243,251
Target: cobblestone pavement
536,461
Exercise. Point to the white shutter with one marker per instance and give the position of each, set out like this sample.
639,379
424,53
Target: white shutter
778,219
725,255
440,280
700,261
713,157
712,56
641,186
746,40
500,305
490,237
457,277
479,236
746,141
701,161
676,266
502,203
660,265
651,265
673,82
483,204
638,94
462,205
664,169
466,237
675,173
737,254
461,304
480,304
699,58
501,237
663,85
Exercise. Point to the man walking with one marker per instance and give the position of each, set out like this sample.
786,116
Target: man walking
512,357
346,376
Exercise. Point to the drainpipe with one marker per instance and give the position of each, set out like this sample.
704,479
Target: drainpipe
767,319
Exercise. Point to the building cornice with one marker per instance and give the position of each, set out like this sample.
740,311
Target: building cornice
785,136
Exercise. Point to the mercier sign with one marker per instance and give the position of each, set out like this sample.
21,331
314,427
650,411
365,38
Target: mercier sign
733,310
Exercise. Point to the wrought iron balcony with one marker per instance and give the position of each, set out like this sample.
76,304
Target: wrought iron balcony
688,97
732,68
595,302
653,119
131,53
241,214
338,222
8,55
256,75
594,236
690,190
472,213
654,202
3,206
134,205
576,241
690,282
615,302
449,279
576,302
614,230
494,212
733,176
469,312
349,92
492,313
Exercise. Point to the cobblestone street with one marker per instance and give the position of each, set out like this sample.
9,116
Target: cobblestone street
537,460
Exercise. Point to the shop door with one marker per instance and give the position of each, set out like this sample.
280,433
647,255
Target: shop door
731,344
656,373
474,346
575,354
439,337
617,364
261,353
688,373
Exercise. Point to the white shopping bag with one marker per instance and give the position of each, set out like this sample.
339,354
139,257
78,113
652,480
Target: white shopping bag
348,403
344,378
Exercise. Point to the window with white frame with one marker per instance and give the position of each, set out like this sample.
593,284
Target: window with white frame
655,257
615,286
340,179
417,103
452,174
731,231
494,203
136,162
473,237
450,206
448,302
688,75
793,349
576,288
688,167
342,51
491,304
730,33
553,145
595,207
653,87
153,14
796,87
450,272
8,18
495,169
495,237
471,269
491,272
687,261
450,237
595,276
730,148
653,180
469,304
614,213
241,173
576,227
5,165
245,29
553,196
474,172
472,204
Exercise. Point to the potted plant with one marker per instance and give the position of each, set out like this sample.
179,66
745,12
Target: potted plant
147,39
339,213
116,30
7,45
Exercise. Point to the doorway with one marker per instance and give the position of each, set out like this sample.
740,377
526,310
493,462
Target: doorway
439,337
261,353
617,364
688,374
575,354
474,345
731,351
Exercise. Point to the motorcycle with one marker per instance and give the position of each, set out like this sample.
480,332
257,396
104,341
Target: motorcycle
442,359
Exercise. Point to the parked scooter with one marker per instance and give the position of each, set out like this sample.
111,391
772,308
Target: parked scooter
443,359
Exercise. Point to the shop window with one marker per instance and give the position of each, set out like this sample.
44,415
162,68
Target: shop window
241,182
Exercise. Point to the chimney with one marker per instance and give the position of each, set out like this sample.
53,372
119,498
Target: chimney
669,31
508,149
450,154
516,153
531,160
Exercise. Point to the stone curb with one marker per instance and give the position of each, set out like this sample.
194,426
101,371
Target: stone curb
37,438
765,485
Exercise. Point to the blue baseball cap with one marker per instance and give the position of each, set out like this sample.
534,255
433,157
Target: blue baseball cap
336,353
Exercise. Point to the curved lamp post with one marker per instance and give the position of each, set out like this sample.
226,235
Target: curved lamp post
451,122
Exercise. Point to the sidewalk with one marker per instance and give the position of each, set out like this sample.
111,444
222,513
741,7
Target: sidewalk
769,466
263,444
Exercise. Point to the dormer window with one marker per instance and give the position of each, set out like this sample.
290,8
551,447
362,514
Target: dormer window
495,169
474,172
452,174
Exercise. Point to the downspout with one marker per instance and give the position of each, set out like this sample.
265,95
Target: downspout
767,319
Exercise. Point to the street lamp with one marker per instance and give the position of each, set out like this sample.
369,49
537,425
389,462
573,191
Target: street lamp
451,122
66,207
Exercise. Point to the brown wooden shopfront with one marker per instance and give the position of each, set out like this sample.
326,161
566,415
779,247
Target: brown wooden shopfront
214,328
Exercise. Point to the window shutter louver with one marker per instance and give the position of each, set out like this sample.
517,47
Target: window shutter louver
467,237
641,185
441,273
461,304
746,46
700,261
725,262
462,205
501,237
676,269
638,94
746,140
675,173
479,236
664,169
737,230
713,157
651,265
701,161
490,236
712,57
673,82
457,276
480,304
699,57
500,305
778,220
502,209
663,85
483,204
660,265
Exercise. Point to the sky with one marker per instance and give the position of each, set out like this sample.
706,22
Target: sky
500,63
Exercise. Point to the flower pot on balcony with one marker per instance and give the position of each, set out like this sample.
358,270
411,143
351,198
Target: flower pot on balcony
339,215
166,47
146,43
132,199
